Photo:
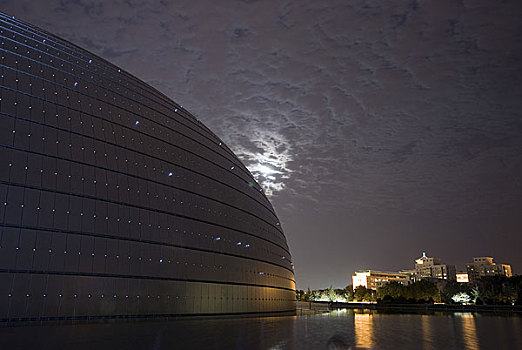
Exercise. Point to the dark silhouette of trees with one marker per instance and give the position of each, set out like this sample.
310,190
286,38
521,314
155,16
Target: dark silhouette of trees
491,290
419,292
361,293
500,290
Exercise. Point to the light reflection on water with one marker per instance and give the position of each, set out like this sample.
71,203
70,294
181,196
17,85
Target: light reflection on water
469,330
361,330
427,332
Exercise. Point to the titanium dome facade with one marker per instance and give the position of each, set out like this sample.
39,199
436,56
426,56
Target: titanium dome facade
116,202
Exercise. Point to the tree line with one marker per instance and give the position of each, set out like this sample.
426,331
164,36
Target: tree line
491,290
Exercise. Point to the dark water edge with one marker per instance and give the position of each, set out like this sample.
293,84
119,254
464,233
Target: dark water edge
370,329
406,308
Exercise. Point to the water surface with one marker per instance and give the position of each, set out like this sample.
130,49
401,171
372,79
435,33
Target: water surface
370,330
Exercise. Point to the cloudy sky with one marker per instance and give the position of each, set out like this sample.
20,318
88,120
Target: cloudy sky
380,129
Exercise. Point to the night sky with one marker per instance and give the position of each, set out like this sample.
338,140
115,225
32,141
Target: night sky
380,129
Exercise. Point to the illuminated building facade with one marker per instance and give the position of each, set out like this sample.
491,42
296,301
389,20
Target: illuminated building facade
371,279
485,266
432,268
462,277
117,203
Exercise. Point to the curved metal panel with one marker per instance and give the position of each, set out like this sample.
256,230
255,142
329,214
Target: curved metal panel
117,202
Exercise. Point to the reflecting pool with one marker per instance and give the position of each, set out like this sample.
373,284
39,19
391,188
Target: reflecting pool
358,329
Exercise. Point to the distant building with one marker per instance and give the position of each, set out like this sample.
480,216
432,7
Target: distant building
462,277
432,268
374,279
485,266
409,273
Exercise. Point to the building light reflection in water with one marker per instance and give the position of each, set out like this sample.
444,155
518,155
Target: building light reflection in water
469,330
363,327
427,332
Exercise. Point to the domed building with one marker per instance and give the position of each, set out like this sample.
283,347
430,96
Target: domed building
117,203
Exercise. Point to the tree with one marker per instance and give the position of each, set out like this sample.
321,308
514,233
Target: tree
330,294
424,290
500,289
347,293
393,290
371,295
461,298
474,293
495,290
421,291
452,288
361,293
316,295
308,294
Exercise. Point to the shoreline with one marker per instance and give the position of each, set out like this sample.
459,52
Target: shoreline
320,307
